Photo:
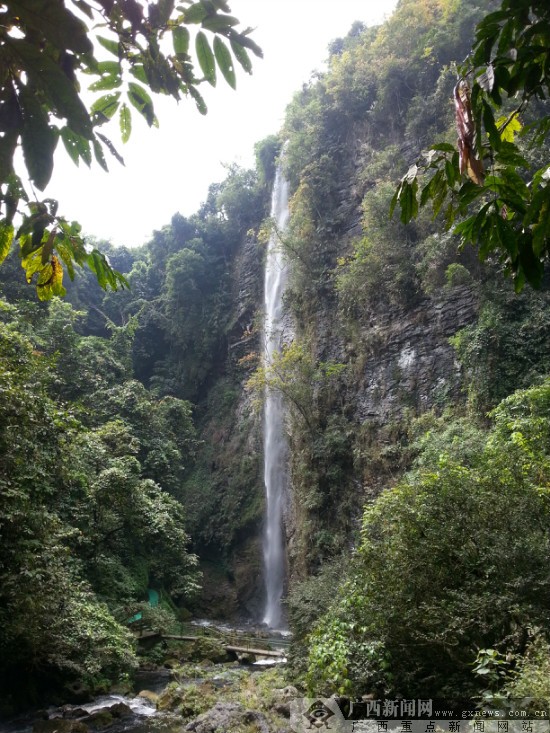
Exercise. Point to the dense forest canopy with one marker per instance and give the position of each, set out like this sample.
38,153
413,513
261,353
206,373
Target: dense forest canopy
418,407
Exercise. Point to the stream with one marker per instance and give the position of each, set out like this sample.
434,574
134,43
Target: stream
132,713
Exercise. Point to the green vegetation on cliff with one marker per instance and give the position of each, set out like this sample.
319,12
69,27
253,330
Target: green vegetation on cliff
418,413
430,340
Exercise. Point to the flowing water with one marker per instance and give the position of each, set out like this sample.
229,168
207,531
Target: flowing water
275,447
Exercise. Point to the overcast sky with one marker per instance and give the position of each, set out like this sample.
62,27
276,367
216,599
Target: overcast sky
169,169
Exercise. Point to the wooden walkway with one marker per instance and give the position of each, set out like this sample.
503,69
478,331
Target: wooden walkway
231,643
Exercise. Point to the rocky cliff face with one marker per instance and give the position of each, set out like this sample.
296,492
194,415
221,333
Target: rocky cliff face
225,496
395,350
406,359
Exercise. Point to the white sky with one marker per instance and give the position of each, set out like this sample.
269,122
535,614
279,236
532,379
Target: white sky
170,168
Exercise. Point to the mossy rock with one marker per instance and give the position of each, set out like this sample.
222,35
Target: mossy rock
208,648
59,725
187,700
99,719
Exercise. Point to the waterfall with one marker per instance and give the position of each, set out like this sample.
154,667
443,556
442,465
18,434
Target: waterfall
275,448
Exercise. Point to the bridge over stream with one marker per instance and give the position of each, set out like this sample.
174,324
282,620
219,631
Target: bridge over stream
258,645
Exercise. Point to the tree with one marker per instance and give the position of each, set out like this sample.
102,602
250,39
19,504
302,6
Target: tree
454,559
45,48
86,520
492,182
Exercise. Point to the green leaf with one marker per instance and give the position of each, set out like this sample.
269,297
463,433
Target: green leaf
164,8
243,40
141,100
76,146
109,145
106,106
241,55
217,23
451,173
199,101
105,274
138,71
38,139
111,68
55,22
490,126
109,45
125,122
6,239
432,188
105,83
60,92
394,200
196,13
409,202
507,236
206,58
180,39
98,152
225,62
541,228
531,265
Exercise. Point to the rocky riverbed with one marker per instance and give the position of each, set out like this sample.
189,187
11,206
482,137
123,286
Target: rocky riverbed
181,695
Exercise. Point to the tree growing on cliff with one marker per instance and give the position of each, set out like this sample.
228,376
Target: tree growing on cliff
45,48
491,187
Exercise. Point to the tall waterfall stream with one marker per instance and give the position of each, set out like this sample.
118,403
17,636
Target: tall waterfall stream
275,448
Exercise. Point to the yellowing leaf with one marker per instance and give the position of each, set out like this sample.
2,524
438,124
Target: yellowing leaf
6,238
50,280
508,127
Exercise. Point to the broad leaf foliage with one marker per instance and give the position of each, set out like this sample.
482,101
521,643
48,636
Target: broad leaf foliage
141,48
490,190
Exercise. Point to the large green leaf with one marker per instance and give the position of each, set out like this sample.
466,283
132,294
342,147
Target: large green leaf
111,148
59,92
106,83
243,40
163,11
106,106
195,13
38,139
206,58
99,156
55,21
180,39
105,274
125,122
241,55
109,45
217,23
141,100
225,62
199,101
77,146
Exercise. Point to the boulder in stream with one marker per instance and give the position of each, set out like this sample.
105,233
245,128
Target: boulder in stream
227,716
59,725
